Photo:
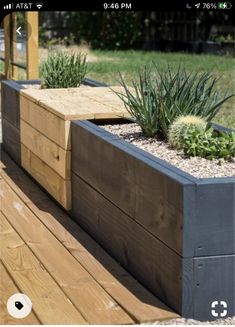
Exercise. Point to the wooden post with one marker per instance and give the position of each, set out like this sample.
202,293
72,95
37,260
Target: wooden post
14,46
32,60
7,42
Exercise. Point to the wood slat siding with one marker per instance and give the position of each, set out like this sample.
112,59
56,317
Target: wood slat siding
214,281
131,182
45,116
54,184
56,129
158,221
150,261
11,140
49,152
10,102
215,218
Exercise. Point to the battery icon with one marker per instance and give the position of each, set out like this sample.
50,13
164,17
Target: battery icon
224,5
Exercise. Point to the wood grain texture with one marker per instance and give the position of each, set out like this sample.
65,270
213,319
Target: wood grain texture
147,258
79,103
214,225
7,46
7,289
133,183
24,187
32,49
130,294
89,297
11,140
50,125
49,302
214,280
49,152
10,103
136,300
54,184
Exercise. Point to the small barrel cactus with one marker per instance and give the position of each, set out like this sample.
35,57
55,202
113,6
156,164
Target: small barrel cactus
181,125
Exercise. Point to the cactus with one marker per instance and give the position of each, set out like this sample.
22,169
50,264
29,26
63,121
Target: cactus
181,125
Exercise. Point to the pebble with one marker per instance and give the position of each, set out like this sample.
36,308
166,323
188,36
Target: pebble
196,166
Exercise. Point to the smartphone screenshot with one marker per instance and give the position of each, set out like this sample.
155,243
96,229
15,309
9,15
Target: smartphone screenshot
117,160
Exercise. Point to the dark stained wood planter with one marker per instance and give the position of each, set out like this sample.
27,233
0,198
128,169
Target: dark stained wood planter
10,104
173,232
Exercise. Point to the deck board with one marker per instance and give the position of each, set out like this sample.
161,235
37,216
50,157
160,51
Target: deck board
49,302
97,285
7,289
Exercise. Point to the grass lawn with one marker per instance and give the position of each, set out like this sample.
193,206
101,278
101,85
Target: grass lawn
108,64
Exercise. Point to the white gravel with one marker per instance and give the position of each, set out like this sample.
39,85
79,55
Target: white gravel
196,166
182,321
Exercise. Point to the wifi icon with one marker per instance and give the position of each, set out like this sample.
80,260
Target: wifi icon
39,5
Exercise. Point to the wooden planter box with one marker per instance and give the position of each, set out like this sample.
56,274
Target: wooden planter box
173,232
40,130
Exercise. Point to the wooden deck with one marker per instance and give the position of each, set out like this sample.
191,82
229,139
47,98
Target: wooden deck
69,278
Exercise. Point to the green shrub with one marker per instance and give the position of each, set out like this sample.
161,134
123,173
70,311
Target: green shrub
210,144
181,126
158,98
63,70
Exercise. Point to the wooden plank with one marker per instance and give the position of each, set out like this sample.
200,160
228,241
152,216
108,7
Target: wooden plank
214,281
113,176
32,56
131,182
25,188
131,295
50,125
14,46
49,302
7,43
79,103
214,227
10,102
49,152
11,140
55,185
7,289
154,264
85,293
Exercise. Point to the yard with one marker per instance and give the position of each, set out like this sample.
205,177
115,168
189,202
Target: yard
109,64
156,194
105,66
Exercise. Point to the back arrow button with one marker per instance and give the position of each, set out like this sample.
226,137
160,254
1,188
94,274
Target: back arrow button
18,30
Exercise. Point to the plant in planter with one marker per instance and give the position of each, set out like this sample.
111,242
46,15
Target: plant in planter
42,141
173,230
160,97
63,70
209,144
181,126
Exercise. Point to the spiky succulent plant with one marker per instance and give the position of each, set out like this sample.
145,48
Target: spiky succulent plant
181,126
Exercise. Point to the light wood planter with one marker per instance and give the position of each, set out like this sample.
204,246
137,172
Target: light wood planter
173,232
40,138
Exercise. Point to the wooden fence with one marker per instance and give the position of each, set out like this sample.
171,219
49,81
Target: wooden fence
10,46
